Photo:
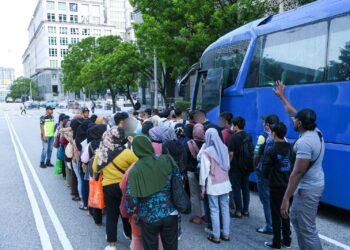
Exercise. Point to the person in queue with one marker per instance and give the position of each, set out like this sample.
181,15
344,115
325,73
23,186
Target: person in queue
47,130
306,182
148,196
113,161
264,143
225,122
214,181
277,169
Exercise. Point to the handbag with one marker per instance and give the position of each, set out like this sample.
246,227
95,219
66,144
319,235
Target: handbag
69,151
179,196
58,167
96,196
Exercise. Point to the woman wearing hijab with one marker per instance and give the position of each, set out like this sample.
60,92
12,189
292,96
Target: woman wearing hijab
156,136
113,161
193,146
146,127
148,196
94,137
214,181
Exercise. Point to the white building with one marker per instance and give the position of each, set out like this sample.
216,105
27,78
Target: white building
58,23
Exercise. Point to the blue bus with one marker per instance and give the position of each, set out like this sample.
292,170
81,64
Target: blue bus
309,50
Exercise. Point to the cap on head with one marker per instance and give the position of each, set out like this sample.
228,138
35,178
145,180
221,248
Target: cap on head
271,119
85,110
49,107
307,117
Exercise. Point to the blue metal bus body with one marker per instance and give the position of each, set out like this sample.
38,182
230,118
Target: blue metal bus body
329,98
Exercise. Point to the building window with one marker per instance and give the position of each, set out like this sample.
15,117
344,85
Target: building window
74,18
62,6
74,40
85,32
339,50
54,76
73,7
96,32
63,30
51,29
64,52
53,63
52,40
63,41
108,32
50,5
52,52
74,31
96,20
296,56
51,17
62,18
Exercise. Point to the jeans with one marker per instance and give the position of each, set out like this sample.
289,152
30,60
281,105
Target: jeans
240,186
168,230
219,205
276,198
46,151
264,195
77,171
113,197
195,191
303,217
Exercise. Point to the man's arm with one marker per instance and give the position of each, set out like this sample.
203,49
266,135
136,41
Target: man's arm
42,129
279,91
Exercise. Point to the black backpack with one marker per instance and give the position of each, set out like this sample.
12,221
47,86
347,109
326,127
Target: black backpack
246,154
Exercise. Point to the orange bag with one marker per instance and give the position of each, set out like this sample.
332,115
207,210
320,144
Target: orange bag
96,196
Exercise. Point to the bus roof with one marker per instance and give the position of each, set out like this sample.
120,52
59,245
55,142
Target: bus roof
318,10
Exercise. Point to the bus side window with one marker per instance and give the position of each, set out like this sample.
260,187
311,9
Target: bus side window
339,49
295,56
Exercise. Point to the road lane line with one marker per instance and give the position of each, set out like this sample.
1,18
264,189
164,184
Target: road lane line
39,221
53,216
334,242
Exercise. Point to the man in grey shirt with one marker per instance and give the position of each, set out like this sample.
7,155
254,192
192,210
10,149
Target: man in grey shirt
306,182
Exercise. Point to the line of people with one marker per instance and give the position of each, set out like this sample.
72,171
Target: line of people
139,155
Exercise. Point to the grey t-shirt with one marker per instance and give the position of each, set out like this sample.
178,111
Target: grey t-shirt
308,147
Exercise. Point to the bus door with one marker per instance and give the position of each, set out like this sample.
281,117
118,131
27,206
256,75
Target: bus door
207,95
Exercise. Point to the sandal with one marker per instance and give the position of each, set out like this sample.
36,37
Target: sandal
213,239
194,221
224,238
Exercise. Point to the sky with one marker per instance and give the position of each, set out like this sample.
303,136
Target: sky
15,16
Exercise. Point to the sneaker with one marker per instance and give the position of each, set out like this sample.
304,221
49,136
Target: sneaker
264,231
126,237
49,164
270,245
42,165
286,245
109,247
208,230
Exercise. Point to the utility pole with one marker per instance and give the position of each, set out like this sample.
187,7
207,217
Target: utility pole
155,80
30,91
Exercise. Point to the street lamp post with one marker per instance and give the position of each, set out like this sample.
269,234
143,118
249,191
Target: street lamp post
155,81
30,90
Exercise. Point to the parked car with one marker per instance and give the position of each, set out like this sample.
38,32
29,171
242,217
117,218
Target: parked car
72,104
52,103
18,100
63,104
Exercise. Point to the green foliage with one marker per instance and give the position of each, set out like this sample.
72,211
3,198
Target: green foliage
103,63
184,105
21,86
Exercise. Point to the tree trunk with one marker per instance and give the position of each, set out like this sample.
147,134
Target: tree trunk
114,106
169,83
128,96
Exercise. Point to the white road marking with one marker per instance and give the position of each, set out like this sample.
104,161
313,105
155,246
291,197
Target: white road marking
53,216
334,242
39,221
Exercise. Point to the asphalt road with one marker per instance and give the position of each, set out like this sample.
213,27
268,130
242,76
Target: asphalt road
38,213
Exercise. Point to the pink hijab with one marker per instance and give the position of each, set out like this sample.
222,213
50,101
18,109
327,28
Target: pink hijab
198,135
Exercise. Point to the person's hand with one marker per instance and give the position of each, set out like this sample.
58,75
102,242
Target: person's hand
285,208
202,194
279,89
44,139
130,139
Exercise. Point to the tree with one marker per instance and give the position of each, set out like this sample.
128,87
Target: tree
21,87
118,71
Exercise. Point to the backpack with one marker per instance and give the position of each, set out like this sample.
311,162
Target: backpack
246,154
